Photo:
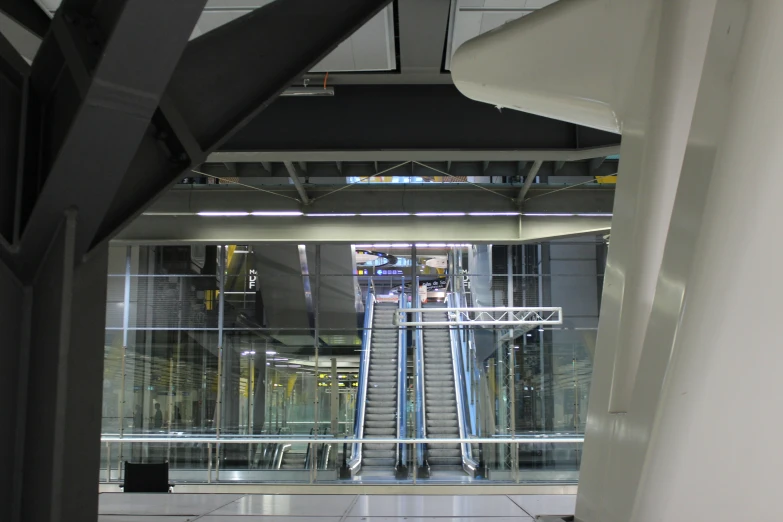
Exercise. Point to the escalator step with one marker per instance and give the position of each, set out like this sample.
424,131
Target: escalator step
371,462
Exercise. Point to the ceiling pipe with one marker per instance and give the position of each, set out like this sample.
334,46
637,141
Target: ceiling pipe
531,175
297,182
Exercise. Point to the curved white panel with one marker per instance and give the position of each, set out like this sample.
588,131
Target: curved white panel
572,61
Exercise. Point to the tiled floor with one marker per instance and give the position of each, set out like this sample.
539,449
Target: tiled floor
129,507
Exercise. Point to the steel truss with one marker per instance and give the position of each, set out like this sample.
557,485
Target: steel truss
488,316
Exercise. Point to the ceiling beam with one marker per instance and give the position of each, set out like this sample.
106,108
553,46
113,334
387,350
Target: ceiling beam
187,200
172,230
380,154
531,175
319,172
294,175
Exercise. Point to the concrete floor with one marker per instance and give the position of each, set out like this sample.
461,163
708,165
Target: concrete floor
143,507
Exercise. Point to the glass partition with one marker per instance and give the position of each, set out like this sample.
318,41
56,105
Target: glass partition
351,363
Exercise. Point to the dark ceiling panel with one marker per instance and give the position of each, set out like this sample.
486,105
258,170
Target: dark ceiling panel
377,117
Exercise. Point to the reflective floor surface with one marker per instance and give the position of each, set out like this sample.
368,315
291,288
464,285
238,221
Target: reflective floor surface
141,507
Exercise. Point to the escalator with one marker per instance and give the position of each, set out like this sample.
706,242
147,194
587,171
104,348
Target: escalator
380,416
444,392
440,393
381,394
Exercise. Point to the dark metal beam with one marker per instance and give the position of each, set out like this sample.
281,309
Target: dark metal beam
51,374
248,68
27,14
531,175
404,117
294,175
14,85
100,82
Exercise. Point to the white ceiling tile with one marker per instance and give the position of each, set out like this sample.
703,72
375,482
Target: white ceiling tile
466,26
471,23
341,59
373,44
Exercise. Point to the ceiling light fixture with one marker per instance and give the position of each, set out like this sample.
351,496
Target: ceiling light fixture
277,213
439,214
493,213
223,214
539,214
331,215
308,91
386,214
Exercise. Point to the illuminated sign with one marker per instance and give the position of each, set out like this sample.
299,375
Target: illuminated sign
251,279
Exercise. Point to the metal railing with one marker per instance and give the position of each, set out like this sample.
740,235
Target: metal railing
421,402
282,444
364,368
458,368
402,374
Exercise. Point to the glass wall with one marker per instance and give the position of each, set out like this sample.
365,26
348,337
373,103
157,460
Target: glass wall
264,363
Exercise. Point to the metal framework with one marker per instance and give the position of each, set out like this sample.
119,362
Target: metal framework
487,316
412,163
115,107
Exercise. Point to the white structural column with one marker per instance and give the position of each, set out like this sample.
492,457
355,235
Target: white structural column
715,452
691,435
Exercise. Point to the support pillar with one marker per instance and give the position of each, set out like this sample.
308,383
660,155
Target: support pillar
50,383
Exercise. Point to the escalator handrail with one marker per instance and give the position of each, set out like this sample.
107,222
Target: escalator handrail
364,370
460,388
402,370
421,402
469,355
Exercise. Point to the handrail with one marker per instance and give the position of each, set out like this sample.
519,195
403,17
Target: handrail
471,370
364,369
458,368
421,402
537,439
402,371
283,448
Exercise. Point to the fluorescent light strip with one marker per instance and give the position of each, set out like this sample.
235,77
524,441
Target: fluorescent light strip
439,214
493,213
331,215
223,214
387,214
277,213
442,245
566,215
383,245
